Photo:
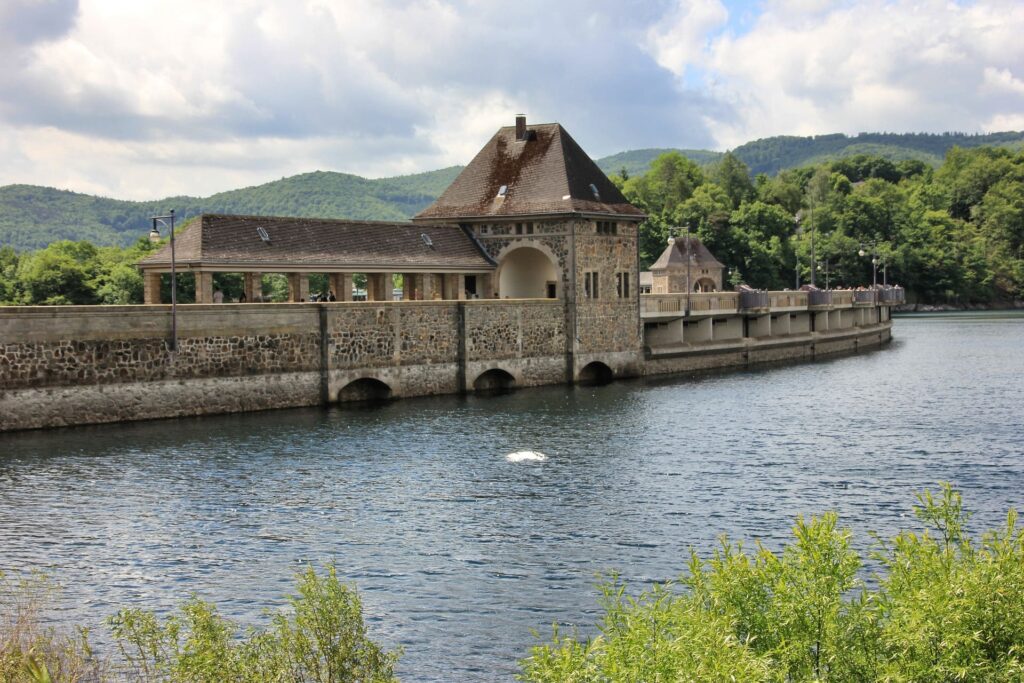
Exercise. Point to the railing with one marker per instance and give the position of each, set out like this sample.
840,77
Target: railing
787,299
734,302
726,302
819,297
754,299
892,295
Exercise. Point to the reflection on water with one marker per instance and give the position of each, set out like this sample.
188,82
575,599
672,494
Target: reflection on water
458,551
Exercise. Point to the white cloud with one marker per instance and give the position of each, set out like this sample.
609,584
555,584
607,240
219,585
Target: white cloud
143,98
870,66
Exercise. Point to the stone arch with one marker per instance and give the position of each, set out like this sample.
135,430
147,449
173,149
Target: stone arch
525,270
494,381
704,284
595,373
364,390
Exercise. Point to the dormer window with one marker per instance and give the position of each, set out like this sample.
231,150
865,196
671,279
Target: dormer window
503,190
593,189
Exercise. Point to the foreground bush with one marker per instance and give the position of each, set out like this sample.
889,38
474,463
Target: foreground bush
321,638
944,608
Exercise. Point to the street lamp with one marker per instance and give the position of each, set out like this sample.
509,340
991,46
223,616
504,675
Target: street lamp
154,236
825,264
875,260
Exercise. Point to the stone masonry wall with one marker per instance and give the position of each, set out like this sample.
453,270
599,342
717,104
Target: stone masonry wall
84,364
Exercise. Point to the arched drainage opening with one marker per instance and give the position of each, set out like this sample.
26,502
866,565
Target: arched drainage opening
494,381
366,390
595,374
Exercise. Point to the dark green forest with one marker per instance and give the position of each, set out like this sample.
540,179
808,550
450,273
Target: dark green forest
950,233
954,234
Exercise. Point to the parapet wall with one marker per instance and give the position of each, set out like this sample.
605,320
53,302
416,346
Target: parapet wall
84,364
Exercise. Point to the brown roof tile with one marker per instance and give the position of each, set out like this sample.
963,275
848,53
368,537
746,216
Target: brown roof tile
214,239
548,173
674,256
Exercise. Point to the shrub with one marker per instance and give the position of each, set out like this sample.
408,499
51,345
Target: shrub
945,609
322,638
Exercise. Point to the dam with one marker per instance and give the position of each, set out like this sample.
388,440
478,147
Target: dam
524,272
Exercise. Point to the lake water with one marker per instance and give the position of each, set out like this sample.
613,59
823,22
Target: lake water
459,553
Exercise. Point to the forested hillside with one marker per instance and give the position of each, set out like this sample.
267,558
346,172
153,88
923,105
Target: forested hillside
950,235
32,217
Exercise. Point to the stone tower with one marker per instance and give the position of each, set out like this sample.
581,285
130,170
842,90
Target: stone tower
556,227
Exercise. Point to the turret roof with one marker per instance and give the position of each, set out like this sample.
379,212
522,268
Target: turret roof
545,173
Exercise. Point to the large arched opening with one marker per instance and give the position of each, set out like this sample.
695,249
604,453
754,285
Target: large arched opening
595,374
704,284
526,272
365,390
494,381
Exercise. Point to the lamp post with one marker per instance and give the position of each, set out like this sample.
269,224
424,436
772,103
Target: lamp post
154,236
875,260
824,263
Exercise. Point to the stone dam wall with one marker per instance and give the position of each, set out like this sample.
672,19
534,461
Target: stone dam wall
67,365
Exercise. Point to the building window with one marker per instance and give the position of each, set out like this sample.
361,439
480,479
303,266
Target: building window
529,228
622,285
519,228
590,284
607,228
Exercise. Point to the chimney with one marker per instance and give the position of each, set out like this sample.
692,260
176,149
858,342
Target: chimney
520,127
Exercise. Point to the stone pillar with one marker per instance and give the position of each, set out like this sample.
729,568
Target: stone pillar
486,286
298,287
431,286
151,287
454,286
341,285
204,288
412,286
252,285
379,286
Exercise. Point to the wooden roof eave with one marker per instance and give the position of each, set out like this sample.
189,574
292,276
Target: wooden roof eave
239,267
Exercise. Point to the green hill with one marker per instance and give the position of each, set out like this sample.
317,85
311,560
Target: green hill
637,161
31,217
775,154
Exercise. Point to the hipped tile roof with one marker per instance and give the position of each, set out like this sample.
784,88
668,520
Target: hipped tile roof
214,239
548,173
674,255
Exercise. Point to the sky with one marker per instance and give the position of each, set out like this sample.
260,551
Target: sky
141,99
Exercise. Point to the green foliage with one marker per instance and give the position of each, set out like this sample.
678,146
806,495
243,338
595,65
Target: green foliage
30,651
322,638
944,609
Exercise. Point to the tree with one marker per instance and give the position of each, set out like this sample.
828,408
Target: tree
671,181
733,176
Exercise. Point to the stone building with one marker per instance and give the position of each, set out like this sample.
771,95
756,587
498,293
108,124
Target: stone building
669,273
556,227
436,261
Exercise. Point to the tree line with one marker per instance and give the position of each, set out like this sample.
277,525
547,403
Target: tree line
952,234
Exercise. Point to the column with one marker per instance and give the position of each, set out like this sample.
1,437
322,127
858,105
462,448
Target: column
431,286
341,285
298,287
204,288
485,286
412,286
151,287
454,285
379,287
252,285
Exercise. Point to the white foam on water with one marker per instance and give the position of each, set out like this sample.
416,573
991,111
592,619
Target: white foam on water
526,456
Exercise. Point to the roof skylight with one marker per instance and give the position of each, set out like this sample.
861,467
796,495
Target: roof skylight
261,231
593,188
503,190
426,240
